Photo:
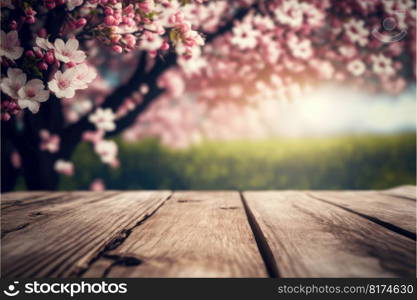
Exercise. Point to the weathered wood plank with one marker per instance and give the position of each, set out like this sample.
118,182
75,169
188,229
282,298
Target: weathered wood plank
73,232
398,212
309,238
26,209
20,199
19,195
195,234
405,191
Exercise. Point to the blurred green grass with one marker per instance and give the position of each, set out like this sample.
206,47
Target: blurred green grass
349,162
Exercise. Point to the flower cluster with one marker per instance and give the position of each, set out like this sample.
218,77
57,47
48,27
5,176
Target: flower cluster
103,119
275,50
49,142
28,94
286,44
278,51
52,62
64,167
149,25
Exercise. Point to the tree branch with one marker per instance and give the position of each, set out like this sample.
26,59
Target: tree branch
163,65
51,110
72,134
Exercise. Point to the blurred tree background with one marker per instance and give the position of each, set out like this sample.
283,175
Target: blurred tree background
300,94
345,162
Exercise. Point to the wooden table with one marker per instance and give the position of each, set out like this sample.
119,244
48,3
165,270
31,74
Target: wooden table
209,234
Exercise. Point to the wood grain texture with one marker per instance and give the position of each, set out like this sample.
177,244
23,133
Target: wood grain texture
21,196
310,238
207,234
398,212
195,234
405,191
65,233
25,209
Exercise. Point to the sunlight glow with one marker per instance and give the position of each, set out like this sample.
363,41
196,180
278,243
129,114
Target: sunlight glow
337,110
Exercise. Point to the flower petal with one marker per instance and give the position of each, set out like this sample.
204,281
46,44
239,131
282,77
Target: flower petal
59,45
72,45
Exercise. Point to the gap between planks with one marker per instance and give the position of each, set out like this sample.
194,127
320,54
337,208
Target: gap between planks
70,247
262,244
374,219
279,250
116,242
195,234
114,259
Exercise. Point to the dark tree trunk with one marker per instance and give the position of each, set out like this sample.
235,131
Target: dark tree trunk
38,166
38,170
9,173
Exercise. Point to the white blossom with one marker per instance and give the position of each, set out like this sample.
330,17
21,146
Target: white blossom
62,85
357,32
64,167
244,36
10,45
11,84
300,48
107,150
356,67
83,75
32,94
103,119
68,52
382,65
71,4
290,13
43,43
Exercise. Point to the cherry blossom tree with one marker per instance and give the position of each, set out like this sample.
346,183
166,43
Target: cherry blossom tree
87,70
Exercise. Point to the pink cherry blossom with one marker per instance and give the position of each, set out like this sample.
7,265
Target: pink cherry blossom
16,160
289,13
356,67
93,136
49,142
244,36
10,45
83,75
151,42
97,185
382,65
62,85
11,84
300,48
357,32
76,108
313,16
32,94
68,52
103,119
71,4
107,150
183,71
394,7
43,43
348,51
172,82
64,167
